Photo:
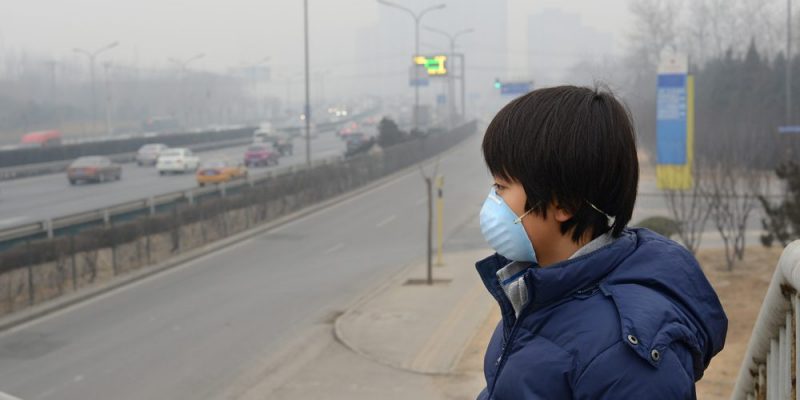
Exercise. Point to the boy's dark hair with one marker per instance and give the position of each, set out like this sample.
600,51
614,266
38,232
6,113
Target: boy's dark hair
569,144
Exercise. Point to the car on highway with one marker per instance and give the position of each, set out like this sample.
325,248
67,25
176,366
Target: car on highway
42,139
148,154
264,130
177,160
347,130
282,143
93,169
218,171
261,154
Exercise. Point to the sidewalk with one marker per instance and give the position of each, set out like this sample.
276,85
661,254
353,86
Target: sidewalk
405,340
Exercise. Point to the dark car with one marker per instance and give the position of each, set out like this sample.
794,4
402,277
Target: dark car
93,169
358,143
261,154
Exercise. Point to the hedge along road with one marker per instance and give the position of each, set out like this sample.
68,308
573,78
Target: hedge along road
49,196
195,330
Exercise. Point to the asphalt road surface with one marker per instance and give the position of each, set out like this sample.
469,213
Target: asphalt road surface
48,196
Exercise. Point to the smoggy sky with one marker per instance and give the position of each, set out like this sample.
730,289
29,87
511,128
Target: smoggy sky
236,32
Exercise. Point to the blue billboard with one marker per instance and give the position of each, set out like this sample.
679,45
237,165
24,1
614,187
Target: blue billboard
671,119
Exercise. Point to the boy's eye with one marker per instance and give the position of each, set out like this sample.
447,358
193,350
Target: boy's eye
498,186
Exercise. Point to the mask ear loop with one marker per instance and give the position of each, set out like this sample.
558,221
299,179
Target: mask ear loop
611,219
519,219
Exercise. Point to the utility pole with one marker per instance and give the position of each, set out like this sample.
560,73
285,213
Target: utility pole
307,113
417,16
450,76
109,105
788,62
92,56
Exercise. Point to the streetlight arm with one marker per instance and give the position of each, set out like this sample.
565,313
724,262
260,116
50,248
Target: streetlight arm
106,47
197,57
441,32
429,9
399,7
82,51
463,32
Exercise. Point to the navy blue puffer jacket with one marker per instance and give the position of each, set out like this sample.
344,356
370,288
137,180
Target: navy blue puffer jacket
636,319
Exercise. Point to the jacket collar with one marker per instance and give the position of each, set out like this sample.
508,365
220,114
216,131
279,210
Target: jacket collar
563,279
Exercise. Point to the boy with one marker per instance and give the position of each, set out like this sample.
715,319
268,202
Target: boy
591,309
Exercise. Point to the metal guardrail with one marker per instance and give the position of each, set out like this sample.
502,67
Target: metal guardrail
769,369
49,227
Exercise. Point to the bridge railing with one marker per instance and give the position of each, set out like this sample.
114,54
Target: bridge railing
769,369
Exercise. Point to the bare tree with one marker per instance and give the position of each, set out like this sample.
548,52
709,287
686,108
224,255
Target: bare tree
690,209
654,28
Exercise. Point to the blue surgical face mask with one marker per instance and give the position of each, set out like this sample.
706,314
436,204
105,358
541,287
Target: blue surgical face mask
504,231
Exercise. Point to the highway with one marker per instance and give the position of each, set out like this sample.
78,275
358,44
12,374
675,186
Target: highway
48,196
193,331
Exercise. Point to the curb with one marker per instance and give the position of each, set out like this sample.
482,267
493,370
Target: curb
341,338
38,311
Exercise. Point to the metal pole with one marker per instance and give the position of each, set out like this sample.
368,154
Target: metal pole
439,220
451,94
788,62
416,86
94,96
109,129
463,89
429,185
451,79
308,90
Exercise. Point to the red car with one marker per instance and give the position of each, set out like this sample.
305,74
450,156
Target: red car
261,154
42,138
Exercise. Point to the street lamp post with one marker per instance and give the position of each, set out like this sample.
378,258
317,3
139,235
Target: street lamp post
92,55
183,67
450,79
417,16
307,111
109,99
788,62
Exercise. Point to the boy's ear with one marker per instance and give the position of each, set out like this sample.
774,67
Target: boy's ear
559,213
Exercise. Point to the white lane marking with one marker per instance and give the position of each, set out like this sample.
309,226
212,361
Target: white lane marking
338,246
386,221
12,221
421,201
78,378
43,395
6,396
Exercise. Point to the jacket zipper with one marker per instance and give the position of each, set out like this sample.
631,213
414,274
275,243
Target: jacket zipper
500,363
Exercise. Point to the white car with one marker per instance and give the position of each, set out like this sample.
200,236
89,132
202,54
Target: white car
148,154
177,160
